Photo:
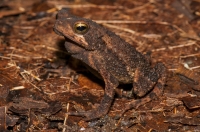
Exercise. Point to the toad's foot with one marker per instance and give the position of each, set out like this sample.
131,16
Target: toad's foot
102,110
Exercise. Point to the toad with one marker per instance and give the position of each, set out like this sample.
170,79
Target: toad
115,60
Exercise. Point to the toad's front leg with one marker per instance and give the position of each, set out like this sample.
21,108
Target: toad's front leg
110,84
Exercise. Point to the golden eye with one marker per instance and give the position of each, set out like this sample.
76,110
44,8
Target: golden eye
81,27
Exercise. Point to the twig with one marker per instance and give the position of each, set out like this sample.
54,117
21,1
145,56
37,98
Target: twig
59,7
66,117
177,46
138,22
133,32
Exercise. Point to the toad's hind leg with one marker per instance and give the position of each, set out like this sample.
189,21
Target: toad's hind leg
158,88
146,78
110,84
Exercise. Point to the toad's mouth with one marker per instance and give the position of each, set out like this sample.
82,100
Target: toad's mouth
67,38
73,47
72,41
71,44
56,31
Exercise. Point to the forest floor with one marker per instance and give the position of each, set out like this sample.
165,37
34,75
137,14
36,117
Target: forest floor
40,82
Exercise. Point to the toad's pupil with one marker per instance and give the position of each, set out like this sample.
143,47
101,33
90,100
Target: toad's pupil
81,28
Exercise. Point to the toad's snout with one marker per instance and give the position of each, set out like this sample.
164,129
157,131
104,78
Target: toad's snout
57,27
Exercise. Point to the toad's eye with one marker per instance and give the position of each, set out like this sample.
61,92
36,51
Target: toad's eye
81,27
